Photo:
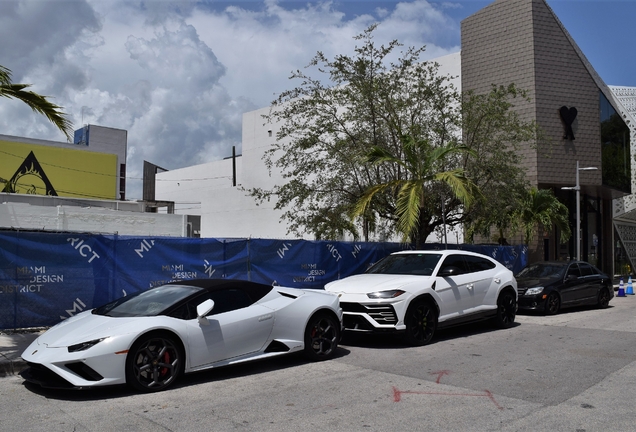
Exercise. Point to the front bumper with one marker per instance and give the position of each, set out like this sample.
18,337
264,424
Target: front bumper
370,317
57,368
532,302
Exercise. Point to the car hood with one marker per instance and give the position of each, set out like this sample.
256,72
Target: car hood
366,283
535,282
85,327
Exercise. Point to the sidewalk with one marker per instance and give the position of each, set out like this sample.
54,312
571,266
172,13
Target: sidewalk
12,345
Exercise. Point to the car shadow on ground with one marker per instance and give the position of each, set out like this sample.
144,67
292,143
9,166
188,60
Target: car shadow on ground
395,340
217,374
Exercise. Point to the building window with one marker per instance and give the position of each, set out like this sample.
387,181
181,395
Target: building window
614,148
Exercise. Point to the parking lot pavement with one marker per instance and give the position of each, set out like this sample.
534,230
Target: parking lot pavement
12,345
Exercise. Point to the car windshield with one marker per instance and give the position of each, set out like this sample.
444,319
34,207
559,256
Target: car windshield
543,270
407,264
147,303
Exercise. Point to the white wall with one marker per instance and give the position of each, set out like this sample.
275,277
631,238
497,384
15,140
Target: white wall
90,219
188,187
228,211
451,65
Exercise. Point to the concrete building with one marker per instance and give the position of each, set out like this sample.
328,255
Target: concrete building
217,191
107,140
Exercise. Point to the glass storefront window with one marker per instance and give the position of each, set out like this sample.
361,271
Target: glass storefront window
592,240
622,263
614,148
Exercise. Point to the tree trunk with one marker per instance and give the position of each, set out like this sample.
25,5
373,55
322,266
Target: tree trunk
423,229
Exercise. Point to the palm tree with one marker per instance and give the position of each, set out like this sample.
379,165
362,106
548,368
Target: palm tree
540,206
422,166
38,103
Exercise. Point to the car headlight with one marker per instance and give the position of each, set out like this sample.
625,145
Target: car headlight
385,294
534,291
84,345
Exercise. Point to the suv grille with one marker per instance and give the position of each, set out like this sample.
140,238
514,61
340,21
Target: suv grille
381,313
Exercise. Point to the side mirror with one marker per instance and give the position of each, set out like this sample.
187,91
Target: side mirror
205,308
449,271
572,277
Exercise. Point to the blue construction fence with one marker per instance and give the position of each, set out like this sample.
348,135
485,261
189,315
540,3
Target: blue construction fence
47,277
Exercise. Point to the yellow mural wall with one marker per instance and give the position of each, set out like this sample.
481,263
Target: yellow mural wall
43,170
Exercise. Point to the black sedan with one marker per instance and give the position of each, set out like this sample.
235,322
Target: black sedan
550,286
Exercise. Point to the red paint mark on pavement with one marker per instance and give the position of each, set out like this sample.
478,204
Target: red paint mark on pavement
492,398
440,374
397,395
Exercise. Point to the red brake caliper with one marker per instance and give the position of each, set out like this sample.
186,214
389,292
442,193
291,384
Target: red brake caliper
166,359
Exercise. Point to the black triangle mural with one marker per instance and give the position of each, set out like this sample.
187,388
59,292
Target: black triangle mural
30,179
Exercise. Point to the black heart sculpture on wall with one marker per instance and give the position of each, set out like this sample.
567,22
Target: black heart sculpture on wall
568,115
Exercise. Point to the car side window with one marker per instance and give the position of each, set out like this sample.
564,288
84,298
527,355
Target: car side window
225,300
406,264
586,270
477,264
573,270
455,261
228,300
183,312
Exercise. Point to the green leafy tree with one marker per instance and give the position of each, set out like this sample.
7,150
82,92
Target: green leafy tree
497,136
327,130
540,206
497,209
36,102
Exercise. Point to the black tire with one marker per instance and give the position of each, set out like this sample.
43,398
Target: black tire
322,336
552,304
421,323
506,309
154,362
603,298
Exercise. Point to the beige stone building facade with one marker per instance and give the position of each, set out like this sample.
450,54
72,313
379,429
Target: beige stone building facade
523,42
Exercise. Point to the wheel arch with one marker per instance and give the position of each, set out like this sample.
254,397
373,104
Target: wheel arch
427,298
164,332
321,310
508,288
555,291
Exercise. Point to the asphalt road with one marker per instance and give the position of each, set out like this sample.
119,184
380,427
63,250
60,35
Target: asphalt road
572,372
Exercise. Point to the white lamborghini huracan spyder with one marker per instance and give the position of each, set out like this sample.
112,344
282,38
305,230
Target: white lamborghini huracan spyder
147,340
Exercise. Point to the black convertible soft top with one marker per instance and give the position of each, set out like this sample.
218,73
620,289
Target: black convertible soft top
254,290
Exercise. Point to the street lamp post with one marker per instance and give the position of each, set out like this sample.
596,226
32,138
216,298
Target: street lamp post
577,188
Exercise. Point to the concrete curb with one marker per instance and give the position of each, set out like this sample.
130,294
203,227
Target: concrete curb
12,345
10,367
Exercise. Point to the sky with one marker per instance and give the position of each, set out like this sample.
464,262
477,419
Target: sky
178,75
